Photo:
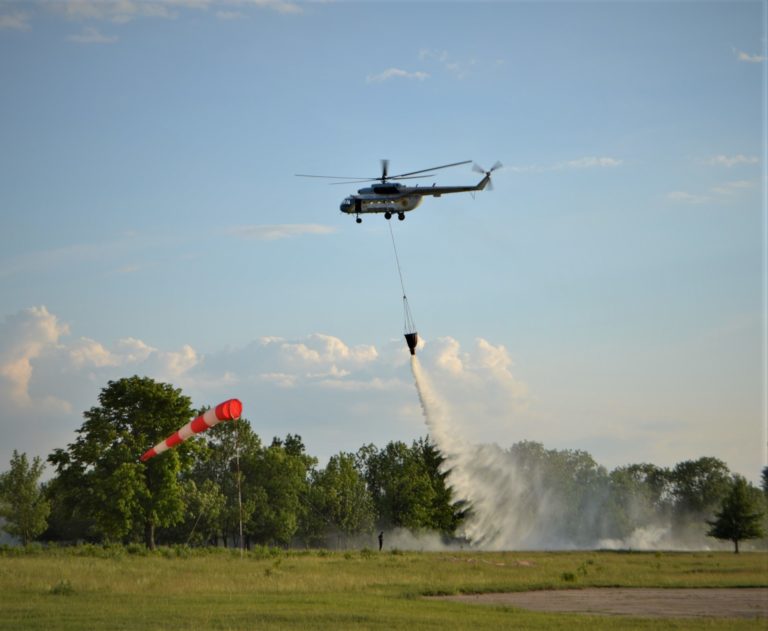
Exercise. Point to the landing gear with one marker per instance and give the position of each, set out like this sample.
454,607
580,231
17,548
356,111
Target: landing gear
358,220
401,216
387,215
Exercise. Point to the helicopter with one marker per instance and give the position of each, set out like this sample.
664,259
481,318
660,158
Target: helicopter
391,197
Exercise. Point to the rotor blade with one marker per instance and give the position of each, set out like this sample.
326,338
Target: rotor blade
384,169
489,186
337,177
378,179
444,166
477,168
498,165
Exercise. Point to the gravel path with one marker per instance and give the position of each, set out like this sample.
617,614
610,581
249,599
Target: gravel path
642,602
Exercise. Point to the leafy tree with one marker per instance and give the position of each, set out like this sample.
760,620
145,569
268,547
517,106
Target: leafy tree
698,486
639,497
339,500
100,473
22,502
764,481
400,485
276,480
219,463
203,507
739,517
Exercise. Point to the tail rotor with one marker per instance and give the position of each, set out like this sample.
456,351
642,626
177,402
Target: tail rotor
476,167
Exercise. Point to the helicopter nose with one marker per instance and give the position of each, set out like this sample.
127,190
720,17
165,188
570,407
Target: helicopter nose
346,205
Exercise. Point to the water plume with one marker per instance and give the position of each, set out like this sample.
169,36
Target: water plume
527,497
481,475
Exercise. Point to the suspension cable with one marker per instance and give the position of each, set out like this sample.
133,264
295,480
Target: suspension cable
409,325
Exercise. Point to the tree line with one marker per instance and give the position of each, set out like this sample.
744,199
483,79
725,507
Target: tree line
227,487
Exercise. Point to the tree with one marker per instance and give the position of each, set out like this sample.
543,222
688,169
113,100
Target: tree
276,481
698,486
22,502
100,473
400,485
339,499
738,518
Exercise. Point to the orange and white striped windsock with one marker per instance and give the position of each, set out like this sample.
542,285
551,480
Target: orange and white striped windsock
227,411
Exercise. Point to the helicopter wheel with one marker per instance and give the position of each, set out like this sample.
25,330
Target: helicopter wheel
401,216
387,215
358,220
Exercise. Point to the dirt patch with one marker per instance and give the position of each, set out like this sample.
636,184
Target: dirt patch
642,602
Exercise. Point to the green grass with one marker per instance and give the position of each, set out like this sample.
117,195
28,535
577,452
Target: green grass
115,588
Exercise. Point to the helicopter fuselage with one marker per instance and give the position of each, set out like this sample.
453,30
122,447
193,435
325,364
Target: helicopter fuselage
393,198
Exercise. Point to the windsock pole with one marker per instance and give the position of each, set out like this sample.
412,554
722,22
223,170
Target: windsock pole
227,411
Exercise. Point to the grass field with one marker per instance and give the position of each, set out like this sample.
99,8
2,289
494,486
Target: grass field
111,588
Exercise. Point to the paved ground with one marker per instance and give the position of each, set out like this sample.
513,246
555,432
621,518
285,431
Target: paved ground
653,603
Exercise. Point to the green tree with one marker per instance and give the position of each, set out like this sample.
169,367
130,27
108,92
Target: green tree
400,485
203,507
739,517
446,515
639,496
339,500
227,445
100,473
22,502
698,487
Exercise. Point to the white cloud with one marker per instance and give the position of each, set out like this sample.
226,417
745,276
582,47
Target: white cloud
753,59
732,188
119,11
336,394
585,162
230,15
92,35
730,161
396,73
24,337
321,348
458,68
682,197
426,54
590,162
90,353
273,232
14,21
123,11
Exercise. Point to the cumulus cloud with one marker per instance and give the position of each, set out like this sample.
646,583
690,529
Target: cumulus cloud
23,338
273,232
730,161
747,57
396,73
336,394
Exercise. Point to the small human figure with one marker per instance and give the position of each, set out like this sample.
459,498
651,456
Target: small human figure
381,540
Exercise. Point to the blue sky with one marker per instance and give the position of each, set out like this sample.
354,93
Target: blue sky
606,296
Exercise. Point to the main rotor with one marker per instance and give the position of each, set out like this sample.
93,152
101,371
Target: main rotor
384,177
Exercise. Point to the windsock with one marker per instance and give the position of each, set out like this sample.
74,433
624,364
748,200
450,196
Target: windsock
227,411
